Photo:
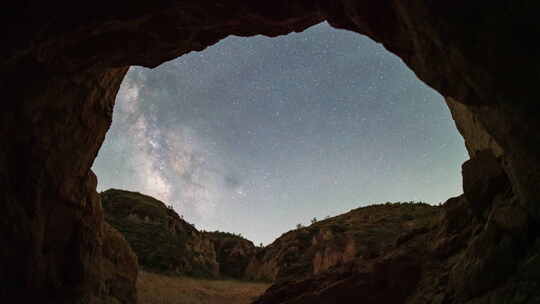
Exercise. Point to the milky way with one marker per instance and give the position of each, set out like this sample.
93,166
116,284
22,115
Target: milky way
255,135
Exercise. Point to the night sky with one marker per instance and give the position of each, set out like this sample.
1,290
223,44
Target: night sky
255,135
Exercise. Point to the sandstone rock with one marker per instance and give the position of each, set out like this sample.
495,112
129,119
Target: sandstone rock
477,138
449,257
361,233
120,268
387,279
483,178
510,218
233,253
488,260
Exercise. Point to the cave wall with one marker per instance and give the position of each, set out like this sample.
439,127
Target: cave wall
63,61
52,221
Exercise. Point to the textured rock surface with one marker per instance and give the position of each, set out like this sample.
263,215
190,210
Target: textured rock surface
165,243
361,233
233,253
62,62
385,266
476,136
483,178
463,252
120,268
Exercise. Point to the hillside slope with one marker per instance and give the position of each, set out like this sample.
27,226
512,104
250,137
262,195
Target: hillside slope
364,233
478,248
165,243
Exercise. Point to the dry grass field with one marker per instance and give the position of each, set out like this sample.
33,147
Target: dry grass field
161,289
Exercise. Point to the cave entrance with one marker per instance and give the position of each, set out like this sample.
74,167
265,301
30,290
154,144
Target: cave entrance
283,129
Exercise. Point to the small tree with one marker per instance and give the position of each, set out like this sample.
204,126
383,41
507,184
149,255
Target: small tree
298,226
313,220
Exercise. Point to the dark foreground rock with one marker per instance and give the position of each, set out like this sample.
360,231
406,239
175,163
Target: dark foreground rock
120,269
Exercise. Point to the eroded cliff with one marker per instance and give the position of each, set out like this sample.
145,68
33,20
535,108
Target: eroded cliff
363,232
165,243
476,248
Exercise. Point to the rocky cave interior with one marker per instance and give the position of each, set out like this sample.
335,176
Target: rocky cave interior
61,76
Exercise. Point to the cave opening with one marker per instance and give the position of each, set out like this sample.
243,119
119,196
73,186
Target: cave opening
61,76
257,135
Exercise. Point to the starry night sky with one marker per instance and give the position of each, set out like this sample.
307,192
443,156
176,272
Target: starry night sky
255,135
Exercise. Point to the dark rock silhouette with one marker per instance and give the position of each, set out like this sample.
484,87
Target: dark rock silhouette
63,61
119,267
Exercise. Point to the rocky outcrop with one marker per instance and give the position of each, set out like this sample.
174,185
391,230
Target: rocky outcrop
363,232
120,269
233,253
477,138
63,61
165,243
483,179
477,248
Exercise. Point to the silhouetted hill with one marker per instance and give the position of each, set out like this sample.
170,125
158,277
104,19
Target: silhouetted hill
165,243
